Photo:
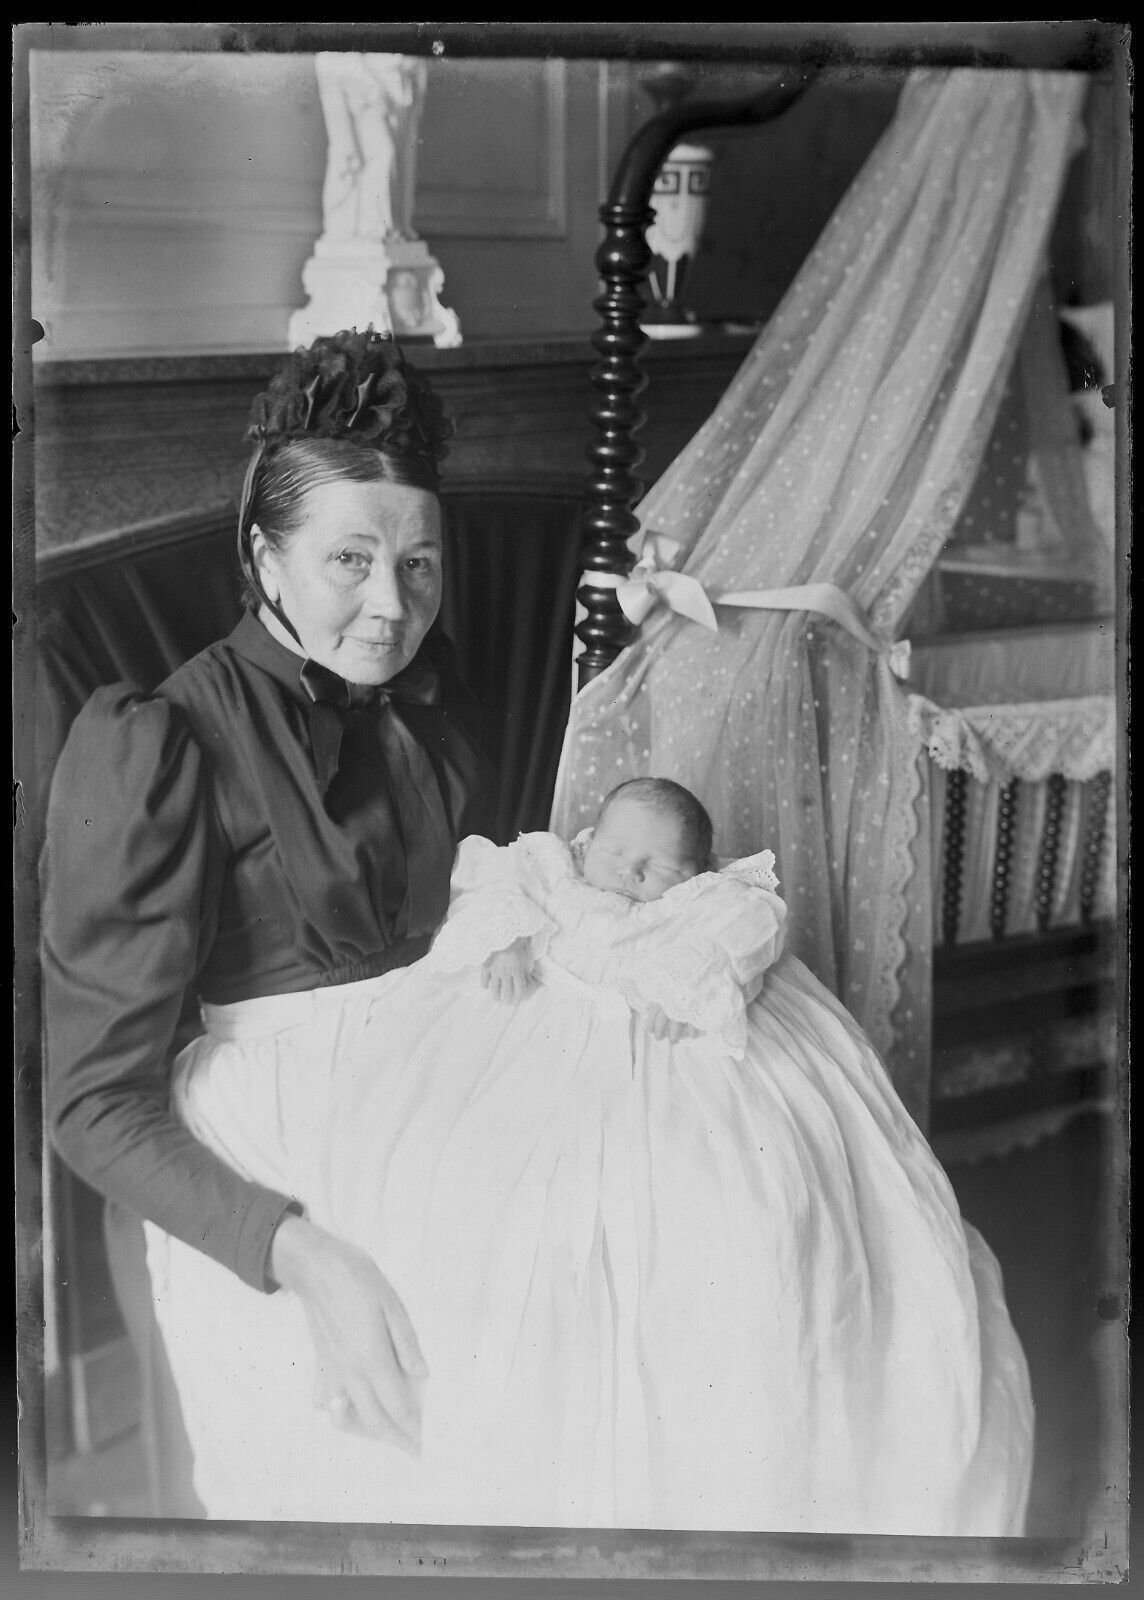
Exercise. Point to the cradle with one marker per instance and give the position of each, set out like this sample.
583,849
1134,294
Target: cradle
1018,725
1014,701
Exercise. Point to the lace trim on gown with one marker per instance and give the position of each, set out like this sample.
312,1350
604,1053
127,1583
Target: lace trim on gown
471,937
757,871
695,987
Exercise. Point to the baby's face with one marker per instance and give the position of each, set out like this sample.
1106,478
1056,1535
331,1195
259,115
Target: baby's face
637,851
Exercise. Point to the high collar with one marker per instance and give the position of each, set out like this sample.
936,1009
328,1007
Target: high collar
253,640
321,692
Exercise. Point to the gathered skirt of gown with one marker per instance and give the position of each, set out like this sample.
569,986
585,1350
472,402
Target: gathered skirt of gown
654,1286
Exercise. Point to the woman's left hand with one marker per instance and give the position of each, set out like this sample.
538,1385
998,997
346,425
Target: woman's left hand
368,1360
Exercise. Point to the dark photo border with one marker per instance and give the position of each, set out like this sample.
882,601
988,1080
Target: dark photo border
50,1550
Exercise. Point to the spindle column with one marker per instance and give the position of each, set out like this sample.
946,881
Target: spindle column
622,260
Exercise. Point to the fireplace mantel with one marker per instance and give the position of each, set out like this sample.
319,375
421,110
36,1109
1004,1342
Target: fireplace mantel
127,448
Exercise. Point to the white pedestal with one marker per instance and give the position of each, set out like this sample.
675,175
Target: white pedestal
392,285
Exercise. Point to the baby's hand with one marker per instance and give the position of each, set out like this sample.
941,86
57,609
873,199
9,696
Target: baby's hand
661,1026
508,975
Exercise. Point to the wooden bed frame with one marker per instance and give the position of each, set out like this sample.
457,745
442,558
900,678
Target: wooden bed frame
622,261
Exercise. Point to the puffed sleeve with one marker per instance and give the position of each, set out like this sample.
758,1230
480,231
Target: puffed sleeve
493,901
703,964
130,883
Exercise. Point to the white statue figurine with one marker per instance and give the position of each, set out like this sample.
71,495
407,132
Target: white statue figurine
371,104
369,268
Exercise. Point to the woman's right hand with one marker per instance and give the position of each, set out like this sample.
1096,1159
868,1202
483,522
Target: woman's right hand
368,1360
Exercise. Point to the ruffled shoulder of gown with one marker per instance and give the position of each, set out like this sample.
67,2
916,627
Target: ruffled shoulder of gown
724,884
757,871
534,861
545,858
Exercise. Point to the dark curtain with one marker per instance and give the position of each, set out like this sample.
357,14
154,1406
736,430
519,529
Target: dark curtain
512,563
130,618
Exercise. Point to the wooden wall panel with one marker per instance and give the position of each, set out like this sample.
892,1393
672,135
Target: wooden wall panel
492,154
177,196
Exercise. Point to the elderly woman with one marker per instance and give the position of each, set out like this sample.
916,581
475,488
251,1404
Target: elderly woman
271,831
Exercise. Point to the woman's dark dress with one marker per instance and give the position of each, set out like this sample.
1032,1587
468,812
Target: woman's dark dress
236,834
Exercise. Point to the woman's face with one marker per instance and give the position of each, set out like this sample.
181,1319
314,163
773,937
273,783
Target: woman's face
636,851
360,577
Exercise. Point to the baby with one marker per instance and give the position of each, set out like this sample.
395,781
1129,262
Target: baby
675,1253
651,834
632,907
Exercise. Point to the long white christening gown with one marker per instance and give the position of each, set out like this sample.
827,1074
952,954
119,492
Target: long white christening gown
722,1283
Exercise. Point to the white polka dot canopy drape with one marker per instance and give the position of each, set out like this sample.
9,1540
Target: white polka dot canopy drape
842,452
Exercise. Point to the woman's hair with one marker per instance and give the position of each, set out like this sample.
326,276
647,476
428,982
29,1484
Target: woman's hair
290,469
347,408
671,799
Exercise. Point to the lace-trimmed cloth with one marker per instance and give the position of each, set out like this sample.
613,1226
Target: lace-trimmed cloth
1075,738
699,952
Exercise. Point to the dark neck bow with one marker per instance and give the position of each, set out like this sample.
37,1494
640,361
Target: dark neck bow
360,726
334,703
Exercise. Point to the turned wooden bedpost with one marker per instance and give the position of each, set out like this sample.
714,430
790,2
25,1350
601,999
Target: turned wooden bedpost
622,259
1003,858
1095,842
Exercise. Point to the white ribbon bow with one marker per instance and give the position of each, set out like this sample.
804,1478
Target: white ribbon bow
652,581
